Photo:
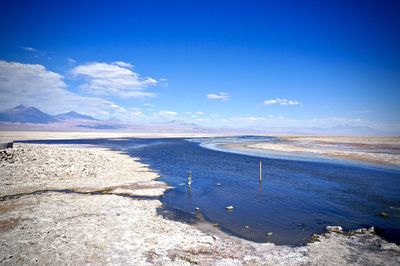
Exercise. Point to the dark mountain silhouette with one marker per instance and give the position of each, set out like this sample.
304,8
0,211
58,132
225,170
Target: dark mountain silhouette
23,114
32,115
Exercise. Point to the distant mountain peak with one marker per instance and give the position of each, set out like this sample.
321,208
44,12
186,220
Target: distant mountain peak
23,114
114,119
21,106
71,115
180,122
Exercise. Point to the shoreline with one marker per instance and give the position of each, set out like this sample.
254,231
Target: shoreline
299,149
6,136
370,150
124,230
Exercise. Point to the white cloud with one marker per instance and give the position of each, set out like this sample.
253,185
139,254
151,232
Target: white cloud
163,82
123,64
34,85
281,102
218,96
194,114
71,60
166,114
115,79
29,49
136,113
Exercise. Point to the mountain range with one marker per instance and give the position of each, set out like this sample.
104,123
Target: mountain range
31,118
24,114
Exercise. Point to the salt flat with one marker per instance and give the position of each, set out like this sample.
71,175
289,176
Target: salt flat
377,150
67,204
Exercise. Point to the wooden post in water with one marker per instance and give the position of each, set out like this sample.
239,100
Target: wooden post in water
190,178
260,171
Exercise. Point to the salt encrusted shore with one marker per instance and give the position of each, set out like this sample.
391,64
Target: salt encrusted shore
376,150
74,205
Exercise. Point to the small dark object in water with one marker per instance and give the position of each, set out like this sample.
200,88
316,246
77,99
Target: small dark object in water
384,214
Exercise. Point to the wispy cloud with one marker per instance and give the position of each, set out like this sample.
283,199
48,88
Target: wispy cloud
223,96
115,79
29,49
279,101
123,64
364,111
166,114
71,60
136,113
195,114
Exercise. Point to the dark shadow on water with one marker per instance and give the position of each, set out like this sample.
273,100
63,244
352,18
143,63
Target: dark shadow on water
177,215
390,234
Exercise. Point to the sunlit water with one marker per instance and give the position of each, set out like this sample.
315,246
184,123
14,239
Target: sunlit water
296,198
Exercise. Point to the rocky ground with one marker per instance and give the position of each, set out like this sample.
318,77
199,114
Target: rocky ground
74,205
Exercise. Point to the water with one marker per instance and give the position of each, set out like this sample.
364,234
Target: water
296,198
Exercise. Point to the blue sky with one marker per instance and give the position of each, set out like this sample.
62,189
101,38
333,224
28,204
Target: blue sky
276,63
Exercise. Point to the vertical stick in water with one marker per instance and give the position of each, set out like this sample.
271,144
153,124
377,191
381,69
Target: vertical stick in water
189,178
260,171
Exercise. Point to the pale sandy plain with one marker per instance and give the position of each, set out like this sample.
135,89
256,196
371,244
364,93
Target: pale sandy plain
109,217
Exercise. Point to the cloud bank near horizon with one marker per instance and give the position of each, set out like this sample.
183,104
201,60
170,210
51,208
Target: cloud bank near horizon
102,83
34,85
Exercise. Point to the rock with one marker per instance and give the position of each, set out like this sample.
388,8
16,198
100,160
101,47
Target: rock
229,208
6,145
361,231
384,214
197,208
315,238
218,184
334,229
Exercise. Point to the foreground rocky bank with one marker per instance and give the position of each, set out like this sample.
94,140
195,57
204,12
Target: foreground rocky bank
85,205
